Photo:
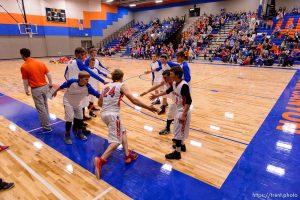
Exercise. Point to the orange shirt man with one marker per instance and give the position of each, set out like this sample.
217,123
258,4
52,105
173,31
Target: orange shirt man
34,75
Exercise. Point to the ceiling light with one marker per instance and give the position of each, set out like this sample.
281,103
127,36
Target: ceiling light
284,146
132,5
137,108
195,143
52,116
166,168
158,1
38,145
69,169
148,128
229,115
109,1
12,127
275,170
289,128
213,127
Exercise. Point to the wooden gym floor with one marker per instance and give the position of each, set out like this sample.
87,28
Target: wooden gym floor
230,103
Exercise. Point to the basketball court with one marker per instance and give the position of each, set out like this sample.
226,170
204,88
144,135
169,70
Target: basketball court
243,144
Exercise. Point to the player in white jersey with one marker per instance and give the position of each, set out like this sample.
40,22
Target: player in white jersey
166,83
166,65
75,66
98,64
95,84
156,70
183,100
110,102
77,91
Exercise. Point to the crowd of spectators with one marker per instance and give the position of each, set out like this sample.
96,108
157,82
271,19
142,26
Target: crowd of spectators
241,48
152,40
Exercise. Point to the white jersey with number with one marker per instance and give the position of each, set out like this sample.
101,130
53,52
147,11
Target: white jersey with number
112,97
73,70
178,98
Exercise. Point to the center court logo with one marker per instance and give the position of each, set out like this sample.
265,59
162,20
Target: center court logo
290,122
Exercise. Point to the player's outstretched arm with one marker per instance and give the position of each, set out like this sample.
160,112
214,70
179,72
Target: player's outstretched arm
154,96
134,100
100,101
153,88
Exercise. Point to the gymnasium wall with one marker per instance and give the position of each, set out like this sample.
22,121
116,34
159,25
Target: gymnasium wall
54,39
289,4
209,8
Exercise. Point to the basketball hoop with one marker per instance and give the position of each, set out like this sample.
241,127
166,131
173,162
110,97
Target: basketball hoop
28,29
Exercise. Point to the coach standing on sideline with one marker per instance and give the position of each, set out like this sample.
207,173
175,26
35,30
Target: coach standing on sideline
33,75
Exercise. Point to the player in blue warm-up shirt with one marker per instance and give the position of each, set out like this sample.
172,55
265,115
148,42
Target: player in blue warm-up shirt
76,92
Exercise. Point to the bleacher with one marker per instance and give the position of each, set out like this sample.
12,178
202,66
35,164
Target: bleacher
116,42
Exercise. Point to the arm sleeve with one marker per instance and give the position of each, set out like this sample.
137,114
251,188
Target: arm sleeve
100,64
66,73
82,67
101,73
186,72
92,91
171,64
87,61
185,92
159,66
170,90
24,74
68,83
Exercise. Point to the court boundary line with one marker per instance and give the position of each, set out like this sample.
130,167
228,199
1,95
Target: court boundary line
35,174
42,127
103,193
191,128
141,77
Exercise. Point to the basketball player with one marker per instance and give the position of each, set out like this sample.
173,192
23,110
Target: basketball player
110,102
183,101
186,77
184,65
166,83
95,84
156,70
74,67
98,64
77,90
166,65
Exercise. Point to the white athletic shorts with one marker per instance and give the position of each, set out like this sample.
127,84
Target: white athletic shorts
181,130
85,102
115,127
171,111
72,112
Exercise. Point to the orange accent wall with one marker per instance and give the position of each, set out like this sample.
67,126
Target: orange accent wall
71,22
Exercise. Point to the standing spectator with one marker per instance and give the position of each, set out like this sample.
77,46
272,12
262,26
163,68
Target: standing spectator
33,75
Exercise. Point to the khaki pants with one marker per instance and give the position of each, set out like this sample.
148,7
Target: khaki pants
39,96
